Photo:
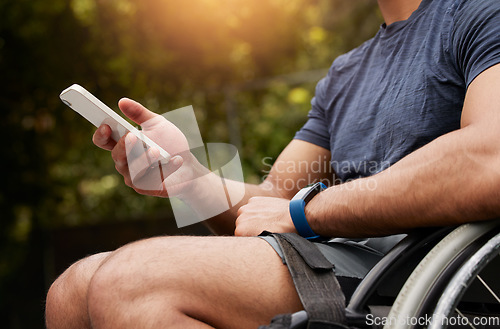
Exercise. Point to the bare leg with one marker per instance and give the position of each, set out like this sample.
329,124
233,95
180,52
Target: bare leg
190,282
66,306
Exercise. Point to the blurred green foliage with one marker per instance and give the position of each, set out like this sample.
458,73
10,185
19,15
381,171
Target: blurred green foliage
165,54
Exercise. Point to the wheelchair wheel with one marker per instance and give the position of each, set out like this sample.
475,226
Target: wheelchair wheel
452,311
430,284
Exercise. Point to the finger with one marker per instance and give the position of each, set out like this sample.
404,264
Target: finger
169,167
119,155
147,169
240,211
238,228
102,138
242,228
135,111
142,162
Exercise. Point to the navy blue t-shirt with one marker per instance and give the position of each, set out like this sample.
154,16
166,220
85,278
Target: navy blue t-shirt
404,87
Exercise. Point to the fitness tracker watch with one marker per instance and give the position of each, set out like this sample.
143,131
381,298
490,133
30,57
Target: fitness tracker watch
297,205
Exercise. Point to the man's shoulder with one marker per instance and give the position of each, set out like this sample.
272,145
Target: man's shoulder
351,57
468,10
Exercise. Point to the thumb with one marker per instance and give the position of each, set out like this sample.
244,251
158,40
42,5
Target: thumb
135,111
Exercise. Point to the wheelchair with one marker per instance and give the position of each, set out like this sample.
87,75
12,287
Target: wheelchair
433,278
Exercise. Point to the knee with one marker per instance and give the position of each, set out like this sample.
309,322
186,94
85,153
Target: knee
119,285
66,298
135,266
110,282
55,300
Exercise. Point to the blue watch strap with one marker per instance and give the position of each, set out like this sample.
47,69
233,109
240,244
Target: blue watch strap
297,205
299,219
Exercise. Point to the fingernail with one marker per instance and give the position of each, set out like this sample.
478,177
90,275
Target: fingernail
177,160
153,153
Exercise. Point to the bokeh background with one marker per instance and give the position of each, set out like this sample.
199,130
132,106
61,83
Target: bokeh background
248,67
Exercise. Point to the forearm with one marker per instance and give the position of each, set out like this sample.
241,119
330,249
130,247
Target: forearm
224,223
454,179
301,163
215,199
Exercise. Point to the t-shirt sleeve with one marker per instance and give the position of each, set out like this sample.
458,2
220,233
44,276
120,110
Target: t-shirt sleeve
315,130
475,37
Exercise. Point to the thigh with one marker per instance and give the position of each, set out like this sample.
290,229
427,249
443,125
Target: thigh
226,282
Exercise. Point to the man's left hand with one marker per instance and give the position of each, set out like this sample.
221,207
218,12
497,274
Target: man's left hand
264,214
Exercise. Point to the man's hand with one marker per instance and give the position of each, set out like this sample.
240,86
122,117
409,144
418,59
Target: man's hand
264,214
143,170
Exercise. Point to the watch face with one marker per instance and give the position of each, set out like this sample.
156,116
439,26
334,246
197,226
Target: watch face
307,193
315,189
301,194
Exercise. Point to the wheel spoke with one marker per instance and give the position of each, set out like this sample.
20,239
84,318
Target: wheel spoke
489,289
463,316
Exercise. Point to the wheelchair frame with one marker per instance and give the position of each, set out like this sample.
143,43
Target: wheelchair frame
422,277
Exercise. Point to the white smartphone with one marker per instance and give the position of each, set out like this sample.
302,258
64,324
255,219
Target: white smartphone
95,111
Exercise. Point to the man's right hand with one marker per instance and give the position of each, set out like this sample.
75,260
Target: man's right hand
144,170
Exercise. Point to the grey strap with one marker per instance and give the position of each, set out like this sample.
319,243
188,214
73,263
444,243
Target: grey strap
315,282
